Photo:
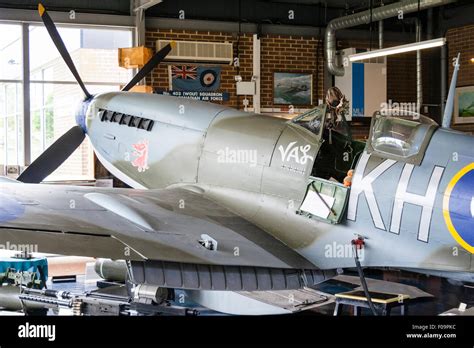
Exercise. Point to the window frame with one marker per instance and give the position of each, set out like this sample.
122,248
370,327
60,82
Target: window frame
19,157
23,143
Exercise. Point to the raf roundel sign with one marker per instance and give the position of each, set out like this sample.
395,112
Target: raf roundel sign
458,207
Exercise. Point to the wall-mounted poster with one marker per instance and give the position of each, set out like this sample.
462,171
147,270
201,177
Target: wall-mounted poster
464,105
292,88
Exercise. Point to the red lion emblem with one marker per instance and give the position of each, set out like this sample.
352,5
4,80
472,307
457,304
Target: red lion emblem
141,153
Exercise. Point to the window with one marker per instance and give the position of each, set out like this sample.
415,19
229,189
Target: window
11,101
313,120
55,95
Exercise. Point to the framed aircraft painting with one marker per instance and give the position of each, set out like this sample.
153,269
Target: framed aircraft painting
292,88
464,105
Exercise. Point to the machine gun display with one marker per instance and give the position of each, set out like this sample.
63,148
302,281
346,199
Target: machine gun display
23,291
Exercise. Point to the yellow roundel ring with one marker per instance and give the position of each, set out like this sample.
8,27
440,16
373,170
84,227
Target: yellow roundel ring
446,212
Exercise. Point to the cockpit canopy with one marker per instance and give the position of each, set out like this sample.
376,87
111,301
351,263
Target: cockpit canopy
403,137
313,120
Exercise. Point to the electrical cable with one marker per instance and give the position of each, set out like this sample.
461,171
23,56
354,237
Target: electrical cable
362,280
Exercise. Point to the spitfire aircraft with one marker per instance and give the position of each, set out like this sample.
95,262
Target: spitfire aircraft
226,200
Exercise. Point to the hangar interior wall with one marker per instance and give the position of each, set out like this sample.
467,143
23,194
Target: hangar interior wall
462,40
281,53
289,54
278,54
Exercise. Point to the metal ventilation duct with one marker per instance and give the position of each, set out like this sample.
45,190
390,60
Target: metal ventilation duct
378,14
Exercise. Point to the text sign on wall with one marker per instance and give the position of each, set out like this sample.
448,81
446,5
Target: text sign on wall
204,96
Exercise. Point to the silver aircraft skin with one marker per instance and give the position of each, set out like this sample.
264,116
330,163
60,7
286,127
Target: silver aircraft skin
225,200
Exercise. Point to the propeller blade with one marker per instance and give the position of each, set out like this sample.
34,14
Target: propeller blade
53,157
150,65
58,42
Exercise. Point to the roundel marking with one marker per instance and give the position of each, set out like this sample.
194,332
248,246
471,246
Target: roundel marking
458,207
208,78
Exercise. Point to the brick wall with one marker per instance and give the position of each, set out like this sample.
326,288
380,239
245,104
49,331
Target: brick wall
159,77
278,54
462,40
290,54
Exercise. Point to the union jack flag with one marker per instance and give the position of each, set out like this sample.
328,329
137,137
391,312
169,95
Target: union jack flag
184,72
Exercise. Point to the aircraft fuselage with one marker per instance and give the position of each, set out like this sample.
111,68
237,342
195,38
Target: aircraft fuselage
260,167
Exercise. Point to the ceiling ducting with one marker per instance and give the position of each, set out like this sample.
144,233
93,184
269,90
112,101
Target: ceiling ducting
377,14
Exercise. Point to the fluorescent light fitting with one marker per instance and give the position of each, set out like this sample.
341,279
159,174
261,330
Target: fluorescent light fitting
415,46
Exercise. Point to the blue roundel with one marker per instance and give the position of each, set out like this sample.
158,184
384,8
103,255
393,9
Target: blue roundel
10,209
459,207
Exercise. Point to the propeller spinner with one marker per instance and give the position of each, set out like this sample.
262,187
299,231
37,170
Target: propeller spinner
63,147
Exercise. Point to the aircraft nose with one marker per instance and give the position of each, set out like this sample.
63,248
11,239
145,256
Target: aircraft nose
81,114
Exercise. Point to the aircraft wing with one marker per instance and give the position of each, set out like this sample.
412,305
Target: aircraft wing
165,225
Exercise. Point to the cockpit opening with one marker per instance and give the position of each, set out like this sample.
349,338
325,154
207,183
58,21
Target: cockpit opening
338,151
403,137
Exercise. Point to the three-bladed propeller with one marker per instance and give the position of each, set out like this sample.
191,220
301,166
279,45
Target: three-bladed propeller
62,148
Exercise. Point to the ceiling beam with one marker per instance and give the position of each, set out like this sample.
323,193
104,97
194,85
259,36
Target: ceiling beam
272,29
31,16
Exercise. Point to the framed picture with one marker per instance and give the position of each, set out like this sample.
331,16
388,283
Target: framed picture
464,105
292,89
